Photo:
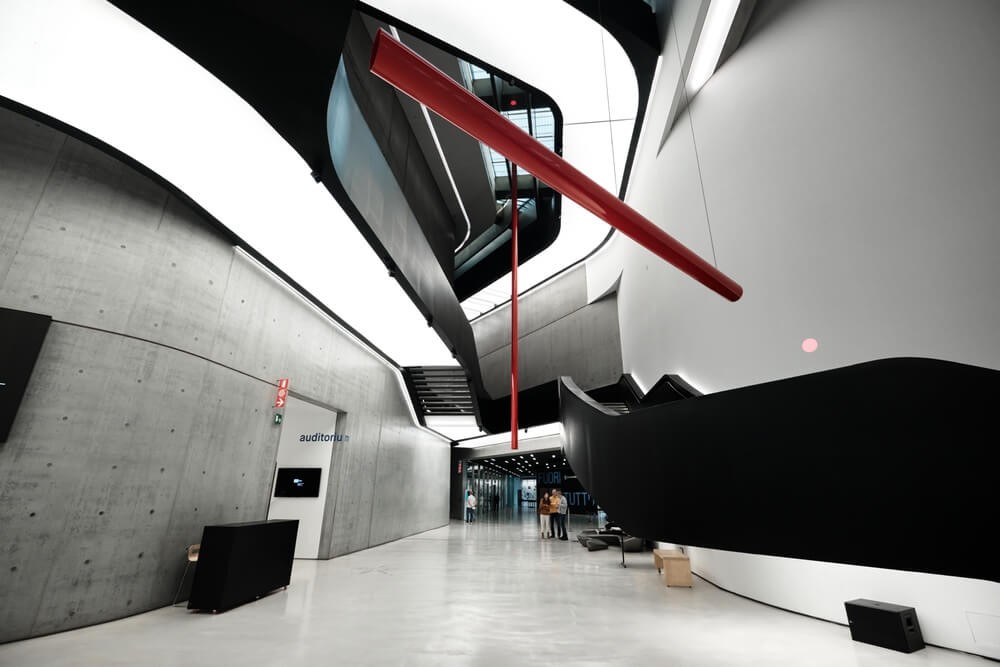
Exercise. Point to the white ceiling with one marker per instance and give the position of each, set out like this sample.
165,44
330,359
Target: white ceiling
582,68
64,58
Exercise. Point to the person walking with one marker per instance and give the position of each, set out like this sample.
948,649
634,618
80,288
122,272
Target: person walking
545,515
562,509
470,507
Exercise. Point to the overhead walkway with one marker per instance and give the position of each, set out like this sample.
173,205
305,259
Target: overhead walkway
889,464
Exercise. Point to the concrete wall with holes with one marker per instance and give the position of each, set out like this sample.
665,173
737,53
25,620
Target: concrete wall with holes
149,412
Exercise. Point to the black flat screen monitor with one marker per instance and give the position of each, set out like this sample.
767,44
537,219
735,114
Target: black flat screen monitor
297,483
21,338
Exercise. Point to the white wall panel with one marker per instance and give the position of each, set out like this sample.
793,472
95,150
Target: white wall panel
848,155
847,189
297,450
949,609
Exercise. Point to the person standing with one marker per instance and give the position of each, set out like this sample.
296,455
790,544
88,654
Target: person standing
554,512
470,507
562,509
545,515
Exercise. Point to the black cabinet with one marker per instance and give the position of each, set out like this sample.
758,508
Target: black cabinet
884,624
240,562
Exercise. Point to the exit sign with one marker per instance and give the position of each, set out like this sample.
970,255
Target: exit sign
280,401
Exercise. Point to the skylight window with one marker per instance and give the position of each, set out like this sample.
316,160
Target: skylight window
542,127
478,72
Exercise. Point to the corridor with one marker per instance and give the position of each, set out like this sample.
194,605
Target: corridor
486,593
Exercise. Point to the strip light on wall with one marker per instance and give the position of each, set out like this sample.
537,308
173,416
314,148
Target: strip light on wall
714,32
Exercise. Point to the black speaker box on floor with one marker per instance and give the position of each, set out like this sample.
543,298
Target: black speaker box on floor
884,624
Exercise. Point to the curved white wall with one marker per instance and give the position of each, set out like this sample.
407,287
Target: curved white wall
848,153
953,612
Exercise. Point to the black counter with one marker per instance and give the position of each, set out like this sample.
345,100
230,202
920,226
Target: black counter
240,562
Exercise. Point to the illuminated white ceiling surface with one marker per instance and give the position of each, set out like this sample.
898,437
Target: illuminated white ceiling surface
88,64
64,58
558,50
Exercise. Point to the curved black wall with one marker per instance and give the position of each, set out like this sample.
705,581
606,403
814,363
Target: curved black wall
890,463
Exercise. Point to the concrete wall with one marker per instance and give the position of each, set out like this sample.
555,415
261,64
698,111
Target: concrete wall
560,333
149,411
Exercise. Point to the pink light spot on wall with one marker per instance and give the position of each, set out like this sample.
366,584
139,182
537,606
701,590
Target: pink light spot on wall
810,345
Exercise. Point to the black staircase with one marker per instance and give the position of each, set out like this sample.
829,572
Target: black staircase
439,391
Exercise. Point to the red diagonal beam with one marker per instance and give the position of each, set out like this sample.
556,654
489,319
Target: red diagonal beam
403,69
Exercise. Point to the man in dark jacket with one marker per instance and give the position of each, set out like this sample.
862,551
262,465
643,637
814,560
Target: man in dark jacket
560,517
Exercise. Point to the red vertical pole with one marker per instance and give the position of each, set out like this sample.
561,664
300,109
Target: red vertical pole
513,306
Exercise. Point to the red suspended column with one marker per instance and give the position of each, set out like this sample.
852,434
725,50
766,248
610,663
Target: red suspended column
513,307
405,70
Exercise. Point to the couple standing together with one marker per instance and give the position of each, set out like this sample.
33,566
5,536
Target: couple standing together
552,511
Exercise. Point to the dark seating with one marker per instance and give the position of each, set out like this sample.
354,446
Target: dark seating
615,538
632,543
610,535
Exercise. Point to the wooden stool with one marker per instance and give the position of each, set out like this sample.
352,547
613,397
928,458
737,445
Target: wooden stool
676,570
658,555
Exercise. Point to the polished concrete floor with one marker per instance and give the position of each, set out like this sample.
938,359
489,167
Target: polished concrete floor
486,593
